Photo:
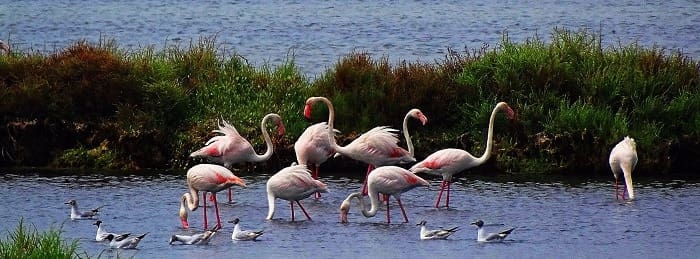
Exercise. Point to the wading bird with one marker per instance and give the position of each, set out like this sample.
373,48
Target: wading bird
447,162
206,178
313,148
386,180
77,214
623,157
231,148
293,183
482,236
376,147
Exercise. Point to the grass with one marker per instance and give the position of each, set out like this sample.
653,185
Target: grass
95,105
27,242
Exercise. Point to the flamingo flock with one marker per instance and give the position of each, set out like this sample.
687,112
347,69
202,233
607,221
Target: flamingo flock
385,178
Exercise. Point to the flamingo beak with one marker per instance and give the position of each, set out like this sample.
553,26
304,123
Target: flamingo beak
423,119
185,224
344,208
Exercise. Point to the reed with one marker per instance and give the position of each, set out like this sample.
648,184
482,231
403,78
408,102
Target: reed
27,242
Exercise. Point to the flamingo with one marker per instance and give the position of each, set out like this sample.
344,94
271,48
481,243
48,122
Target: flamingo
623,157
376,147
206,178
387,180
231,148
447,162
292,183
313,148
482,236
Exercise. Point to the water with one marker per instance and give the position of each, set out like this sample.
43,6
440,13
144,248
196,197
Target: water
562,219
320,32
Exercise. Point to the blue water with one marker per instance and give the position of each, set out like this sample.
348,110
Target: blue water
554,219
318,33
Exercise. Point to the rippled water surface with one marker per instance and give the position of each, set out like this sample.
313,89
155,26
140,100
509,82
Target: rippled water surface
561,219
320,32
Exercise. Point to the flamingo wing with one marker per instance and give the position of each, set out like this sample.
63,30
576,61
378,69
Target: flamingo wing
295,183
210,177
313,146
394,180
449,160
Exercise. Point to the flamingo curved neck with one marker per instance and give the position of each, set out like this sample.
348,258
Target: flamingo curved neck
270,205
189,199
374,203
409,143
268,141
489,137
331,120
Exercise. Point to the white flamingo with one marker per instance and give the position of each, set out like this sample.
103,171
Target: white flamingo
389,181
447,162
206,178
231,148
313,148
623,158
376,147
293,183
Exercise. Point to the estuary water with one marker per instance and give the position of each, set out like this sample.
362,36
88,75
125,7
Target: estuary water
562,218
317,33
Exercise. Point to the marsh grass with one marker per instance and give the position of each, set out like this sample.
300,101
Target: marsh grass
26,242
149,108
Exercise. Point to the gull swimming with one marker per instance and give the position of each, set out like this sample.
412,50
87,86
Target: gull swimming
482,236
76,214
123,241
196,239
101,232
243,235
427,234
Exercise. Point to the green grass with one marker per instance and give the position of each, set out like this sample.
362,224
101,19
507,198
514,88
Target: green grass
27,242
96,105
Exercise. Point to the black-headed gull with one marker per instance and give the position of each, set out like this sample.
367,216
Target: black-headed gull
441,233
124,241
102,233
196,239
76,214
482,236
243,235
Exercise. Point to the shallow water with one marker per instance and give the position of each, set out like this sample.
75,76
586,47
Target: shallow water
320,32
554,219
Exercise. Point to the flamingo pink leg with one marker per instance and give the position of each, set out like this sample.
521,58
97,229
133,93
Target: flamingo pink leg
405,218
364,185
304,210
616,195
291,207
230,195
216,208
442,187
317,195
204,208
388,215
447,199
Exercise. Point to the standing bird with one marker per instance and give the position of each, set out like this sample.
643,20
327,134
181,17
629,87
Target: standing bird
231,148
376,147
102,233
196,239
623,157
441,233
447,162
124,241
206,178
482,236
292,183
389,181
77,214
243,235
313,148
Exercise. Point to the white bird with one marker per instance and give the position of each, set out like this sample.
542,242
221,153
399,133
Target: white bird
623,157
243,235
123,241
292,183
102,233
426,234
482,236
196,239
76,214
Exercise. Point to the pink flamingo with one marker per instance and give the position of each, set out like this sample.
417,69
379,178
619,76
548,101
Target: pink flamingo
387,180
313,148
292,183
447,162
206,178
623,157
231,148
377,147
4,47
